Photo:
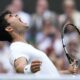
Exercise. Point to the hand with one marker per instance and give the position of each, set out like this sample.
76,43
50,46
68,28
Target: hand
35,66
73,68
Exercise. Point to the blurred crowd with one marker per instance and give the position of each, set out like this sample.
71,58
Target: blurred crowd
44,33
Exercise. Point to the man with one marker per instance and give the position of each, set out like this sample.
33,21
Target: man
42,12
24,57
70,12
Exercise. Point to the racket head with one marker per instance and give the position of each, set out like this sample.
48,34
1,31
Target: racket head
71,41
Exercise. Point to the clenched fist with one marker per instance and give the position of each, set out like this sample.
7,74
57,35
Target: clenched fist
73,67
35,66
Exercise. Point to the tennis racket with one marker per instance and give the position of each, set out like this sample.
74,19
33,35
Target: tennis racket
71,42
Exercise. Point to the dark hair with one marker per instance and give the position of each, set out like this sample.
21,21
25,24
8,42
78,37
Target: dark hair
4,35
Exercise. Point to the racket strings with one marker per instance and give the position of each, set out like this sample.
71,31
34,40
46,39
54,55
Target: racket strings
70,58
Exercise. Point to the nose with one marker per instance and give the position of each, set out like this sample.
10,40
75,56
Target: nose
16,15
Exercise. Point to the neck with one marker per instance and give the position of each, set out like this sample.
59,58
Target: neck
18,37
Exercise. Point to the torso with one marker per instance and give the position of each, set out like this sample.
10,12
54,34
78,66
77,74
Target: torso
33,54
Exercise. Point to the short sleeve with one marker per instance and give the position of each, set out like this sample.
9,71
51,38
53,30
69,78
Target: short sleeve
17,51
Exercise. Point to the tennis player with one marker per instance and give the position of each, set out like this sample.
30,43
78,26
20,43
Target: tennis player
24,57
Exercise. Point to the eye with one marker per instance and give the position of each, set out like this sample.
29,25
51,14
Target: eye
10,15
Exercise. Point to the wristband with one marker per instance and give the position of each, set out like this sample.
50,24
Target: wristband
27,68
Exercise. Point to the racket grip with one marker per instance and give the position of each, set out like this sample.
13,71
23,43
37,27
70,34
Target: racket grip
69,58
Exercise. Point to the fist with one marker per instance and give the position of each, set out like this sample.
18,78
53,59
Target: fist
35,66
73,68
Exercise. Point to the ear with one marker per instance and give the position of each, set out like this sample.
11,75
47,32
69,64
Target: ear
9,29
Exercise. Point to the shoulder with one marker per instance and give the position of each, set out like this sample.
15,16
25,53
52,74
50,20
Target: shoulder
19,47
16,45
17,50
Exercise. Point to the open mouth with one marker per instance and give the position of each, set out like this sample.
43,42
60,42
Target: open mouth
24,24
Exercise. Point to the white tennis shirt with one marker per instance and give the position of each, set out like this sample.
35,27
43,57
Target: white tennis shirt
21,49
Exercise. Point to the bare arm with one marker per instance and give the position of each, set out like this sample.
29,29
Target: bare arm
64,72
19,64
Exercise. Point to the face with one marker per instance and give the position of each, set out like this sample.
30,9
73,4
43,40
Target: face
16,23
17,5
42,5
68,9
48,29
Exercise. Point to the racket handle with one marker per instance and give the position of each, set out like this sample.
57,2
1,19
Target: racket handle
69,58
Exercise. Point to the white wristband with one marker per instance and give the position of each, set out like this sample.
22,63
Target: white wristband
27,68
